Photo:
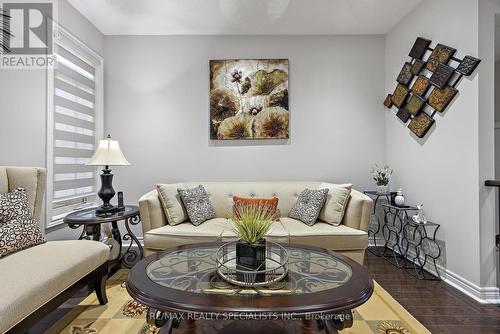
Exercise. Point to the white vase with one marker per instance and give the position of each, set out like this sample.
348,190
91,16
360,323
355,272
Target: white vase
383,189
399,200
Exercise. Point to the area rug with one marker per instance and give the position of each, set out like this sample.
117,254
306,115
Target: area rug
382,314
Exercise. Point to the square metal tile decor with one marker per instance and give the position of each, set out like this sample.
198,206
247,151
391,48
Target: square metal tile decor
440,98
468,65
403,114
415,103
441,75
421,124
441,55
405,75
399,95
419,48
417,66
421,85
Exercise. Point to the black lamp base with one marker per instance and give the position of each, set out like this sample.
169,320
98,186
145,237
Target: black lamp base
106,193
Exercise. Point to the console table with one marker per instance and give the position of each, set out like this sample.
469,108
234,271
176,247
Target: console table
92,230
406,241
374,230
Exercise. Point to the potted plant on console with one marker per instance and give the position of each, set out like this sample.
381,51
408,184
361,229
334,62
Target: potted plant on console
251,224
382,177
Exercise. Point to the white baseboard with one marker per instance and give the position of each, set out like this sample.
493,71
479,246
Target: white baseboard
483,295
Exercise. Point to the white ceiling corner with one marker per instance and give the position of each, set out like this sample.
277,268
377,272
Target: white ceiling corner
244,17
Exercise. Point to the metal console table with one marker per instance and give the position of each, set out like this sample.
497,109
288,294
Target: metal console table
420,240
394,218
374,227
408,244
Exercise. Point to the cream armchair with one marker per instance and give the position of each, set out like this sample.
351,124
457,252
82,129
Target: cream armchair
38,279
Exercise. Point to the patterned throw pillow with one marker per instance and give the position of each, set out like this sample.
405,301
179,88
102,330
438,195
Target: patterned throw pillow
19,234
197,203
308,205
14,205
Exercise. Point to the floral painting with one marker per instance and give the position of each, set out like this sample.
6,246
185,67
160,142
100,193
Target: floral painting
249,99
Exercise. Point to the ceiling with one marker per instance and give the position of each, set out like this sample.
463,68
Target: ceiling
244,17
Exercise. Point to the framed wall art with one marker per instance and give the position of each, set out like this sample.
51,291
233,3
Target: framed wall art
249,99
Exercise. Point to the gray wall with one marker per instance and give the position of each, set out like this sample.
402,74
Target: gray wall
446,170
157,106
23,96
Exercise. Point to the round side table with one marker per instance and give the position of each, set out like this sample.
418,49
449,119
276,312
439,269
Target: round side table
92,230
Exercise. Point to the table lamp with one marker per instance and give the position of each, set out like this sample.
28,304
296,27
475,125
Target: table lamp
108,153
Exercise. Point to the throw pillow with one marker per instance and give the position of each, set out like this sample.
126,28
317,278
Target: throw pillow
19,234
172,203
271,203
336,203
14,205
197,203
308,205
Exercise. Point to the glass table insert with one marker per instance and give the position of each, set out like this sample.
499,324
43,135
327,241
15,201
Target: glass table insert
194,270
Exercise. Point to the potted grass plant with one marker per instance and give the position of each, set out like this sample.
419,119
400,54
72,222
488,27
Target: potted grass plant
251,224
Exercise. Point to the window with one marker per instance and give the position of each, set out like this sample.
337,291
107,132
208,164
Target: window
74,126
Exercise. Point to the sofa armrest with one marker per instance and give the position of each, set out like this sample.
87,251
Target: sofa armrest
152,215
358,211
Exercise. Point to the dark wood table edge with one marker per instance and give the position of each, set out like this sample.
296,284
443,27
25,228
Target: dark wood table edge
70,220
173,305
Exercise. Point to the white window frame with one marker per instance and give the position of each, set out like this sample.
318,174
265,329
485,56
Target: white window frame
99,120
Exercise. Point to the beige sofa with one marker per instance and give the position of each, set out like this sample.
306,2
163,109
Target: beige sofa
36,280
350,238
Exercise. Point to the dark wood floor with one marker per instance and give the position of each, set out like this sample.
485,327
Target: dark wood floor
439,307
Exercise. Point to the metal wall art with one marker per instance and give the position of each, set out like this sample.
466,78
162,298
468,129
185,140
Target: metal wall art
413,97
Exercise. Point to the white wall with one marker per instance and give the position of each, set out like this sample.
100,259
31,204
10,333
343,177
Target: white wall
23,113
157,106
446,170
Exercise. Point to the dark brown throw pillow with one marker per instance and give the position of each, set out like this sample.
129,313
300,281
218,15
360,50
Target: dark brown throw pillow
14,205
19,234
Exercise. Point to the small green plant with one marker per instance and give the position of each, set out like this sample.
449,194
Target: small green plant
252,221
381,175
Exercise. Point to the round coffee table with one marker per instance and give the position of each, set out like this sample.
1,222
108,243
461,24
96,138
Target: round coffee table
182,283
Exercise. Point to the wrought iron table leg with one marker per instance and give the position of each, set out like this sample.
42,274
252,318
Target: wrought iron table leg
337,322
131,255
165,322
116,235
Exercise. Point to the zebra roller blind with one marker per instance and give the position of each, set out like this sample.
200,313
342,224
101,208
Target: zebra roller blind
75,125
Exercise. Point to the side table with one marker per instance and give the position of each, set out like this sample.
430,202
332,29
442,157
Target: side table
92,230
417,237
393,231
374,228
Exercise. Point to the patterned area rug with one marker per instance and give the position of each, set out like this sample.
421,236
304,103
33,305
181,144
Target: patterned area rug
380,315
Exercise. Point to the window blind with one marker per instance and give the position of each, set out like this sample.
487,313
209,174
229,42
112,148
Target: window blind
74,127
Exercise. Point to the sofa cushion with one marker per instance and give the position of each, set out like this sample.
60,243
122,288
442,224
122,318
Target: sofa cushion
277,233
308,205
186,233
172,204
325,235
336,203
14,205
32,277
19,234
197,204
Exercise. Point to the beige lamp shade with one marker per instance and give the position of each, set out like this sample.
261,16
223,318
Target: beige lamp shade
108,154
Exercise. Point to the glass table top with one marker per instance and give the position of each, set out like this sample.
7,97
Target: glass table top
194,270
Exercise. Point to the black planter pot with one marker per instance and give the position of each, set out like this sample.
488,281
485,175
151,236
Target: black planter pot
251,257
